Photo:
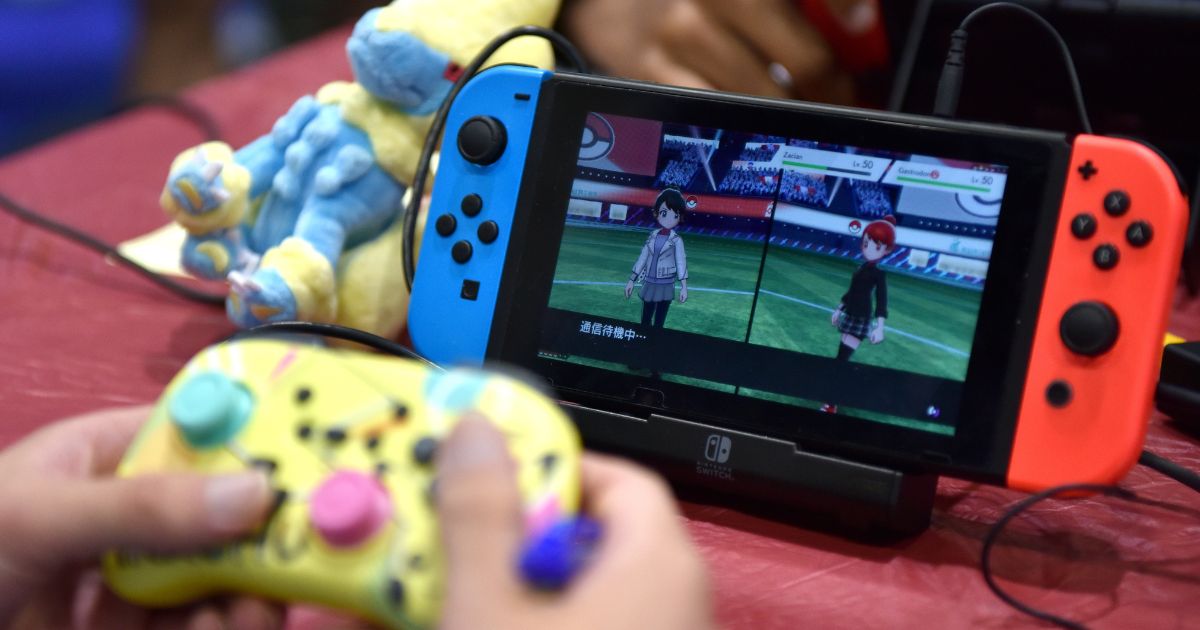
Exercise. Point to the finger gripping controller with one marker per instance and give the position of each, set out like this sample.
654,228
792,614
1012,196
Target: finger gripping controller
348,440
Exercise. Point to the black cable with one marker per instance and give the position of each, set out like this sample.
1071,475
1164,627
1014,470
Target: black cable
950,83
908,55
336,332
985,559
1171,469
91,242
560,44
202,119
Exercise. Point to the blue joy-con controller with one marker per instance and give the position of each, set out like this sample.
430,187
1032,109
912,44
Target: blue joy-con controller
471,214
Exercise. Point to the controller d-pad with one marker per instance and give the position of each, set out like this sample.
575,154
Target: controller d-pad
487,232
446,224
1139,233
461,251
1116,203
482,140
1089,328
471,205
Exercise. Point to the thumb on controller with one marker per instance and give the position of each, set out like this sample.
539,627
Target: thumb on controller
479,514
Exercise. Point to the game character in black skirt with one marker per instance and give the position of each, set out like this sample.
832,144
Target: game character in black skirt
853,317
662,261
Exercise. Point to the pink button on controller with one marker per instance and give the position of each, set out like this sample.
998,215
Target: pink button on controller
349,507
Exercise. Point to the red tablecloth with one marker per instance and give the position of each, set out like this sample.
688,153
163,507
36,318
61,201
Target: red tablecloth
77,333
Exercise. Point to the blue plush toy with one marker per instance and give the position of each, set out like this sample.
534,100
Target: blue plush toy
303,221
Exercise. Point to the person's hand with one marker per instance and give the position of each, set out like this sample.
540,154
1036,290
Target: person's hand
61,509
730,45
837,315
643,574
876,335
628,289
682,295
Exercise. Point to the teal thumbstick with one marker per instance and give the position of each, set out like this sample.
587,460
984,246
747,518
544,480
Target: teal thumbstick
209,409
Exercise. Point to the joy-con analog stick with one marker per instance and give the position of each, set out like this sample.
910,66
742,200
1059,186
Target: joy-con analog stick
1089,328
209,409
482,139
348,508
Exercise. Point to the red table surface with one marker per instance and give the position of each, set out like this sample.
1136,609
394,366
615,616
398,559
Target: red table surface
77,333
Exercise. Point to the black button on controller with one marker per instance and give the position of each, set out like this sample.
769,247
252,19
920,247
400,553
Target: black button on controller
1058,394
487,232
1089,328
1083,225
472,204
1106,256
1116,203
1139,233
482,139
446,224
461,251
1088,170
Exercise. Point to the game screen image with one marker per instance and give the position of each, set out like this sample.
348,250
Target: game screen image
836,278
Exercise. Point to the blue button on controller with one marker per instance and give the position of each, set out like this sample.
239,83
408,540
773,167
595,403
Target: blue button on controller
209,409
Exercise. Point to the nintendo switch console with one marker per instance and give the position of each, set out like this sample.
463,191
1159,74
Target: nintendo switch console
349,441
694,271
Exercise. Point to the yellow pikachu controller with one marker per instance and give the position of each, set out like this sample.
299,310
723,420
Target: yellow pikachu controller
348,440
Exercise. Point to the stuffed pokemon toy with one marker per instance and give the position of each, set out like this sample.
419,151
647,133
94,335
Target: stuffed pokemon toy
304,222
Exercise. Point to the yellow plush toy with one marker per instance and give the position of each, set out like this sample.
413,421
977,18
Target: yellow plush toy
304,222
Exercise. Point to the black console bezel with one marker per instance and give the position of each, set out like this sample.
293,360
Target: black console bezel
981,446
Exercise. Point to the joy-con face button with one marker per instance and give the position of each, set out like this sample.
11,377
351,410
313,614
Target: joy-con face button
1106,256
1059,393
1116,203
1083,225
424,450
482,139
471,205
1089,328
1088,170
348,508
488,231
209,409
461,251
446,224
1139,233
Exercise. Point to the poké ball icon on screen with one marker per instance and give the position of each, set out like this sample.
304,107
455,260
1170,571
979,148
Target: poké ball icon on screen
692,202
856,227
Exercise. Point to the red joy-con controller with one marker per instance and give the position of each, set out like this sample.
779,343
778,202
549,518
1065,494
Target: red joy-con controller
856,52
1112,273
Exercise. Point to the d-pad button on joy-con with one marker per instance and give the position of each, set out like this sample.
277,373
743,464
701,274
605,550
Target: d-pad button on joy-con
1106,256
461,251
488,231
209,409
1139,233
1083,225
446,224
1089,328
472,204
349,507
1116,203
482,139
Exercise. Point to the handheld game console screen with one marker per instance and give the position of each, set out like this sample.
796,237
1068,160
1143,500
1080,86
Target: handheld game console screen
836,278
